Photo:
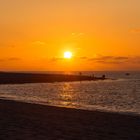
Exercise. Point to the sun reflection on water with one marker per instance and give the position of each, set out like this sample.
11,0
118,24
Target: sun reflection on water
66,95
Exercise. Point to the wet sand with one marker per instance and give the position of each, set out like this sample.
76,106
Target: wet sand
24,121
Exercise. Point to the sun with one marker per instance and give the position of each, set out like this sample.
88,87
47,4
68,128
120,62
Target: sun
68,55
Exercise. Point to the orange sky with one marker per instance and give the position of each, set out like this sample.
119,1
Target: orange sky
102,34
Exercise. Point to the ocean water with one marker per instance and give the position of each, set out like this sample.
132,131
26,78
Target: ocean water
120,94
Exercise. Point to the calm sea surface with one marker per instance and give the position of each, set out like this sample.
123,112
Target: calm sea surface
119,95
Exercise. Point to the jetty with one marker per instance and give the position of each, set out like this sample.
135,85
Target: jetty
20,78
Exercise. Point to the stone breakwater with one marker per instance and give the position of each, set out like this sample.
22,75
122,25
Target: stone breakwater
19,78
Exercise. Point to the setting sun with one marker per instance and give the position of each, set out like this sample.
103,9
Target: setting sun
81,56
68,55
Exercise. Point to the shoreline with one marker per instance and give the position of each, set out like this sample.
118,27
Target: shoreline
121,112
20,120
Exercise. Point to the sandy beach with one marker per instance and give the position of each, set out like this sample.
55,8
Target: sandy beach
37,122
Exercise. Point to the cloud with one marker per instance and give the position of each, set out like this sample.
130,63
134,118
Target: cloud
39,43
115,59
109,59
7,45
77,35
2,60
14,59
55,59
103,59
121,58
135,30
10,59
83,57
135,60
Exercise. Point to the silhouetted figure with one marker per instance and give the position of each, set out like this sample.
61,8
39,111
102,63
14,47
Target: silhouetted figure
92,76
103,76
127,74
80,73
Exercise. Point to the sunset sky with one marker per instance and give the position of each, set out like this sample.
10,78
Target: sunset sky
100,34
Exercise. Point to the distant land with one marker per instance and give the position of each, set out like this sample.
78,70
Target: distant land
20,78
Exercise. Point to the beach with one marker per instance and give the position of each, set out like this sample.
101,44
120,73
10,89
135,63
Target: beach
20,120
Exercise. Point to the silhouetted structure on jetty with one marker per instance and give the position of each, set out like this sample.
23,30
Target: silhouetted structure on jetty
127,74
19,78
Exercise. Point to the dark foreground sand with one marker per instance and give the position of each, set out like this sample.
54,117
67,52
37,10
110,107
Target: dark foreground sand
23,121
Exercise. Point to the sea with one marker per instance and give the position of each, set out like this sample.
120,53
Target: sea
120,93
